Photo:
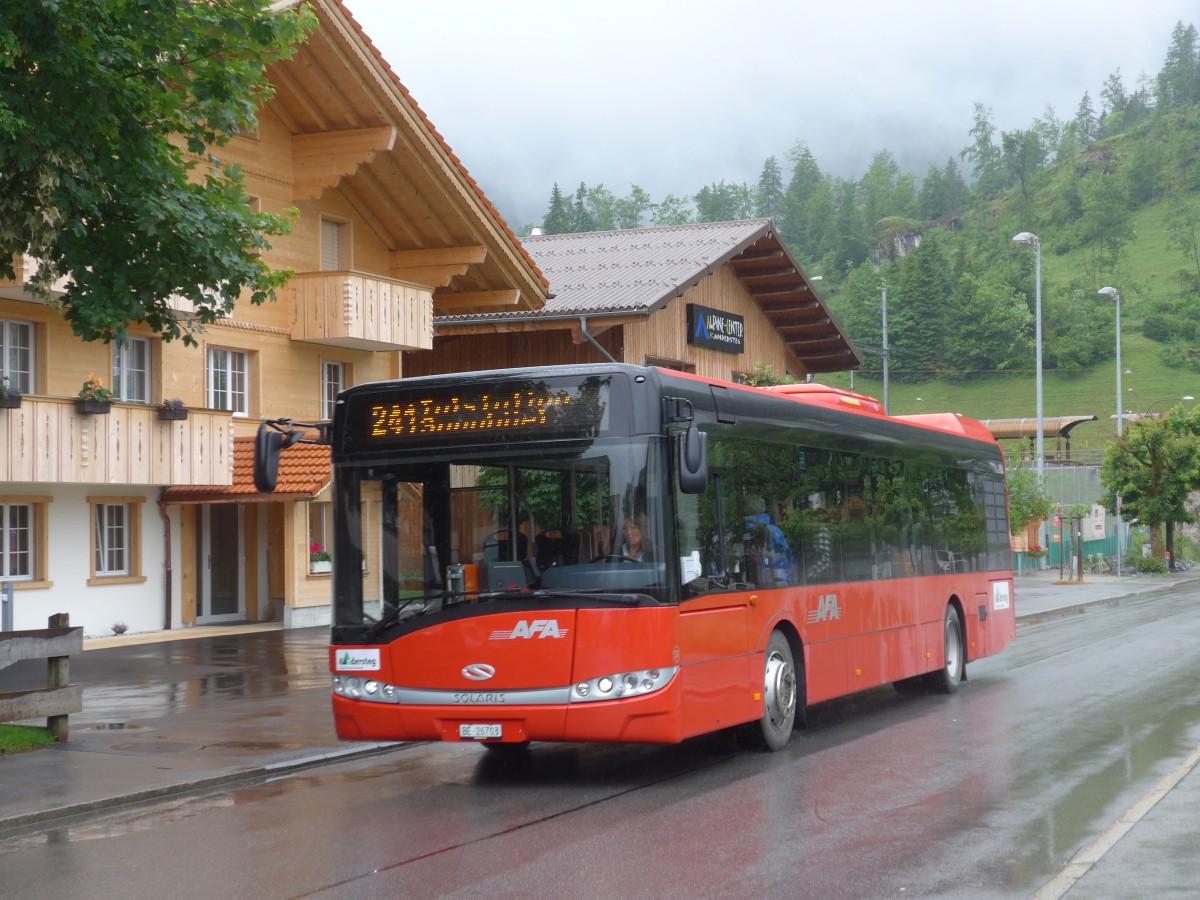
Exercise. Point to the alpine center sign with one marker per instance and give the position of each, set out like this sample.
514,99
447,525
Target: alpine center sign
716,329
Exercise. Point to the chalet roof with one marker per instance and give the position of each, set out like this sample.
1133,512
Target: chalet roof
635,272
303,473
366,136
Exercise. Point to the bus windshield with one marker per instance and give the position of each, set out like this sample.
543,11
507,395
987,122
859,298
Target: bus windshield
584,519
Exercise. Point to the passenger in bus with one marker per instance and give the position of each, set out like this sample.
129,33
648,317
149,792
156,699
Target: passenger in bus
633,532
769,535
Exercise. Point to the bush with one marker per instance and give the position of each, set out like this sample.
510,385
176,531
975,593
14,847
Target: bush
1150,565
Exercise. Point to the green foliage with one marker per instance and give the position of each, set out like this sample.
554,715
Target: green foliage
1027,501
1149,565
110,115
21,738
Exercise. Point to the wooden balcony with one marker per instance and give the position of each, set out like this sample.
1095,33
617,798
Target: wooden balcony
46,440
25,267
361,312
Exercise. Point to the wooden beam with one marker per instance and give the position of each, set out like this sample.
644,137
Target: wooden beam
475,299
321,160
431,276
439,256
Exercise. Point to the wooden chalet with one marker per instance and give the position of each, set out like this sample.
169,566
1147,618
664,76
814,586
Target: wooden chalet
132,518
716,299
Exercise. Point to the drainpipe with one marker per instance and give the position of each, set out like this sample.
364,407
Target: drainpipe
162,511
591,340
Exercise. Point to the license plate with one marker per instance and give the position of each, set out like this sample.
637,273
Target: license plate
479,732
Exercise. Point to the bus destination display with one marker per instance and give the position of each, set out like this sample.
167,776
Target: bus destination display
527,410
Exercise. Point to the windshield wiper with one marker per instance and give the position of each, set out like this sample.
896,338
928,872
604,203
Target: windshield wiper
628,598
386,621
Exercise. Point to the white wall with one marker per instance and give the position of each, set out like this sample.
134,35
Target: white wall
95,608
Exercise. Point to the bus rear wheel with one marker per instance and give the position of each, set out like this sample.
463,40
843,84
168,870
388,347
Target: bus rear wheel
782,691
947,679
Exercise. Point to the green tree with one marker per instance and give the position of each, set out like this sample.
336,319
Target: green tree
581,216
917,312
558,216
602,206
1179,79
673,211
721,202
983,154
1152,466
631,209
1027,499
1085,120
1107,221
988,328
796,209
110,113
768,195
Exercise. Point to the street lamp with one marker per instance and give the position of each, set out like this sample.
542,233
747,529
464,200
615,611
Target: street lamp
1112,292
1028,237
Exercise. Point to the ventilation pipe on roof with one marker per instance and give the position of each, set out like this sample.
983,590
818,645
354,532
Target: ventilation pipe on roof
591,340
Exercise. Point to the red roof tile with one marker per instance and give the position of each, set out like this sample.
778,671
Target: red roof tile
303,473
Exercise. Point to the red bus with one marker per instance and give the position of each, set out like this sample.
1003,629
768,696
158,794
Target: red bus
616,553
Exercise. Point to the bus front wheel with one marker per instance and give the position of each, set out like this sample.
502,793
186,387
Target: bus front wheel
948,677
782,691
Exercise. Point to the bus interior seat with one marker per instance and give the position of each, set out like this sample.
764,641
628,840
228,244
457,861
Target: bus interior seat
499,546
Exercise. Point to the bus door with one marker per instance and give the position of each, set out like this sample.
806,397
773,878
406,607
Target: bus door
717,665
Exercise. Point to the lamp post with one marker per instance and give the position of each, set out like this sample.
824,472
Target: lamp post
1028,237
1112,293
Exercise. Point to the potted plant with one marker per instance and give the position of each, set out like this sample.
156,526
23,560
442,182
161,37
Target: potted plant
94,398
10,394
319,560
172,410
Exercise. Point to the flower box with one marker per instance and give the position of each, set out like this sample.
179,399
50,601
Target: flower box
320,567
13,402
171,414
93,407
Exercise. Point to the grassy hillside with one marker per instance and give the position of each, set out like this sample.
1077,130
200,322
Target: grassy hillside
1149,271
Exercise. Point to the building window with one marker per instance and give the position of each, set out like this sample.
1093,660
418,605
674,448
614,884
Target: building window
335,255
228,376
116,545
333,381
131,370
17,537
320,534
16,354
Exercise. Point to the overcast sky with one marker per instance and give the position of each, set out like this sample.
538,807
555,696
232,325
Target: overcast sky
672,96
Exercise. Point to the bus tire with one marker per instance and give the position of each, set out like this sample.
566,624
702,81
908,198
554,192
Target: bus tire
947,679
781,692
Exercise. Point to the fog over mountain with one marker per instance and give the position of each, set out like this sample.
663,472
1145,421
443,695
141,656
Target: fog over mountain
672,96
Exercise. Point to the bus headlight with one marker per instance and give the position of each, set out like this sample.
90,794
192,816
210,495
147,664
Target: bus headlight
623,685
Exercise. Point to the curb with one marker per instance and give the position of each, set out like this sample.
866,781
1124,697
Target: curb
196,785
1107,602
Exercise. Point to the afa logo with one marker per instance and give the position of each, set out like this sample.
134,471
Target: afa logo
827,609
539,628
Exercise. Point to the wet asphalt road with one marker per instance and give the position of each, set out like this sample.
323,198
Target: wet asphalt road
990,793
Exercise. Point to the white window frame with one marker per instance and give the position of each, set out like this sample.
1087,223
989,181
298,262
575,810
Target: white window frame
110,539
228,380
11,545
16,339
333,381
130,375
116,540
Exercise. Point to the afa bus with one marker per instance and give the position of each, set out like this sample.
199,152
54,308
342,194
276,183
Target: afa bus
616,553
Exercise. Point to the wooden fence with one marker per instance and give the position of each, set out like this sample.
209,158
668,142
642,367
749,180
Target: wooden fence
59,697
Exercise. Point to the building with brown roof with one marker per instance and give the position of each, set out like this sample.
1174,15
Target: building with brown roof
717,299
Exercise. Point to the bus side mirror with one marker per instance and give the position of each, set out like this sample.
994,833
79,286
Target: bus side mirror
693,461
268,445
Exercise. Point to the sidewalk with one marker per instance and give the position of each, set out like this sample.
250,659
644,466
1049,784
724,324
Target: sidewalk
172,712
